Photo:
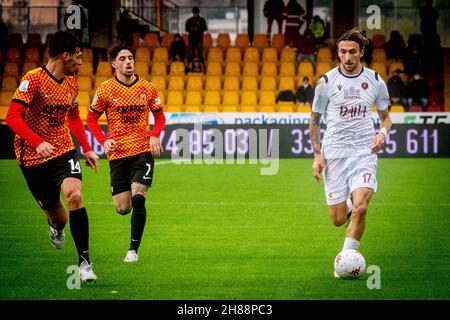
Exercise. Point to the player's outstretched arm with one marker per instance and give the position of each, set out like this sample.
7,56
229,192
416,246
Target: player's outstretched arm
385,127
314,133
155,144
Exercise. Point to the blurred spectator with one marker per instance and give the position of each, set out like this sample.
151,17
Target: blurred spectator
306,47
195,26
397,89
418,91
286,96
293,13
305,92
125,28
414,56
99,44
70,21
177,49
395,47
4,36
368,50
317,27
196,65
428,19
273,10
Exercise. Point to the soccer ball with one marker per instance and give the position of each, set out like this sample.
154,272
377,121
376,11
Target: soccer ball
349,264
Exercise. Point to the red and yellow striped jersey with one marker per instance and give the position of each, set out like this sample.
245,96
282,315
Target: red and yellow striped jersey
127,109
48,102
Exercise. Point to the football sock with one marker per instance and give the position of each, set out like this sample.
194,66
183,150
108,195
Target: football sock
79,227
349,205
350,243
138,218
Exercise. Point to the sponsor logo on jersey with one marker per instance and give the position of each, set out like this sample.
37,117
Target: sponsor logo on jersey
24,86
352,93
364,85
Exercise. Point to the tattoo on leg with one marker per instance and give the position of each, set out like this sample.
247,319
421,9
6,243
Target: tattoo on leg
138,188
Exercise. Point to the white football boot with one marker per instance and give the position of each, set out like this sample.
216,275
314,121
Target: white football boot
86,273
57,237
132,256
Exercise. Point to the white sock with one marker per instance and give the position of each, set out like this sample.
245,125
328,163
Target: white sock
350,243
349,205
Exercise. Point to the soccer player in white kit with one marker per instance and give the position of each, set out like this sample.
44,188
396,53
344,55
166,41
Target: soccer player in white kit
348,157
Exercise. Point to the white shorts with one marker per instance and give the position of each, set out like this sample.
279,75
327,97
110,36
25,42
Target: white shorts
343,176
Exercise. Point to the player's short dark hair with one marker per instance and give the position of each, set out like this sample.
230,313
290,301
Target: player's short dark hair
63,41
115,48
356,34
195,10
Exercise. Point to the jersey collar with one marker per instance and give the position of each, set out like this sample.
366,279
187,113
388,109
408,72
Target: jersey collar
348,76
52,76
127,85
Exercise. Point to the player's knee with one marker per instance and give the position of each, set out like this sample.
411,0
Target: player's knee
337,220
359,210
123,209
75,199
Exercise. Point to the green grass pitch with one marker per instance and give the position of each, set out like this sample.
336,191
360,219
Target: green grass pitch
226,232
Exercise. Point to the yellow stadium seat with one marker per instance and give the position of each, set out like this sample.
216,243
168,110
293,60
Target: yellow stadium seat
223,41
397,108
194,82
193,108
159,69
34,40
141,68
167,39
214,69
207,41
380,67
6,97
286,83
9,84
270,55
230,108
193,98
248,108
13,55
173,108
85,83
88,55
266,108
231,83
28,66
11,69
160,55
288,55
260,40
32,55
3,112
249,83
269,69
215,55
232,69
379,55
104,69
142,55
175,98
99,80
397,65
304,108
212,98
176,83
250,69
230,98
322,68
212,108
287,69
249,98
305,68
286,107
324,54
162,97
251,55
177,68
267,98
233,55
242,41
213,83
268,83
159,82
84,98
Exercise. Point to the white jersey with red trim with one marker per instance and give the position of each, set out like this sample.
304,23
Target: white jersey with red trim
346,105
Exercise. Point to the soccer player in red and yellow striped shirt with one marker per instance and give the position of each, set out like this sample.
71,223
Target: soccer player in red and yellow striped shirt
130,145
42,113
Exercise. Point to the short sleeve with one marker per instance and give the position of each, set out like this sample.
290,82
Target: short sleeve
383,101
320,101
100,100
28,87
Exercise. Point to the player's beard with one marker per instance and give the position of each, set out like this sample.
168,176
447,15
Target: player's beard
350,67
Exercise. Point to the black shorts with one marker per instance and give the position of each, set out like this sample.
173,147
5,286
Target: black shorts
44,180
125,171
